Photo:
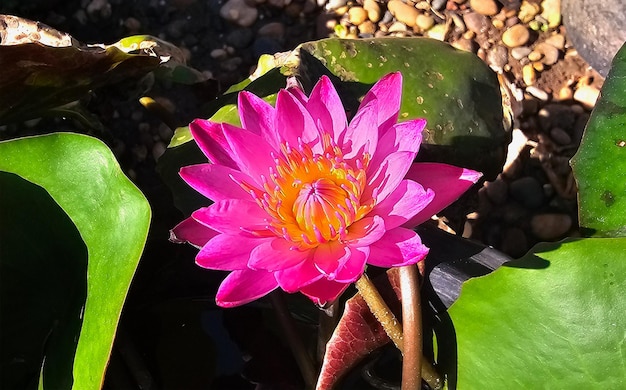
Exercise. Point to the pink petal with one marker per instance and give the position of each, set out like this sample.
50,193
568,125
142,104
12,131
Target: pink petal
354,267
326,107
294,278
398,247
365,231
403,203
243,286
447,181
210,139
250,151
193,232
328,256
215,181
293,121
362,134
388,92
225,252
233,216
276,254
405,136
324,291
385,177
258,116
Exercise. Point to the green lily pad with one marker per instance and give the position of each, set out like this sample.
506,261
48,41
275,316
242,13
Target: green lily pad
112,216
551,320
600,163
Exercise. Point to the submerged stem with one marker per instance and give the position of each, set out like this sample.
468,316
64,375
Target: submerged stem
303,359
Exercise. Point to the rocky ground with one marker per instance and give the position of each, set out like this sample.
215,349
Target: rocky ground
550,87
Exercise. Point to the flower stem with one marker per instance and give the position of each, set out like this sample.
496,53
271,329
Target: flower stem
412,328
381,311
392,327
303,359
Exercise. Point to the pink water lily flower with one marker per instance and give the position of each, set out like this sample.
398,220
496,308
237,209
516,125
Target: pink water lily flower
303,200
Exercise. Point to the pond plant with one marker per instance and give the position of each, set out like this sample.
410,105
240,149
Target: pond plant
319,177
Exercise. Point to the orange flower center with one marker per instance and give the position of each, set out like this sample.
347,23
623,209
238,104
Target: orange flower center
312,198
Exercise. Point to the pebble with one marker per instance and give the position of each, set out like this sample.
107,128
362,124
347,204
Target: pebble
484,7
560,136
565,93
403,12
476,22
158,149
424,22
99,9
497,57
335,4
550,54
528,11
556,40
520,52
555,115
529,75
373,10
133,25
274,30
367,27
587,95
239,12
497,191
527,191
357,15
514,242
551,11
538,93
240,38
397,27
550,226
515,36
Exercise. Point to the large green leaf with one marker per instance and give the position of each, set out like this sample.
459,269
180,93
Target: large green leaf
112,216
600,163
454,90
551,320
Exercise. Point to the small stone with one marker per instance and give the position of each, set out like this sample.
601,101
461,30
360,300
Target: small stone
133,25
397,27
587,95
529,75
240,38
438,32
158,149
538,93
272,30
515,36
497,191
551,11
357,15
520,52
99,9
424,22
556,40
497,23
527,191
484,7
367,27
218,54
335,4
403,12
528,11
565,93
560,136
373,10
514,242
550,226
550,54
535,56
465,44
497,57
239,12
555,115
476,22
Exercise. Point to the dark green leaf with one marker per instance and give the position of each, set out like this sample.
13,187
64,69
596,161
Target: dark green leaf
600,163
112,216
